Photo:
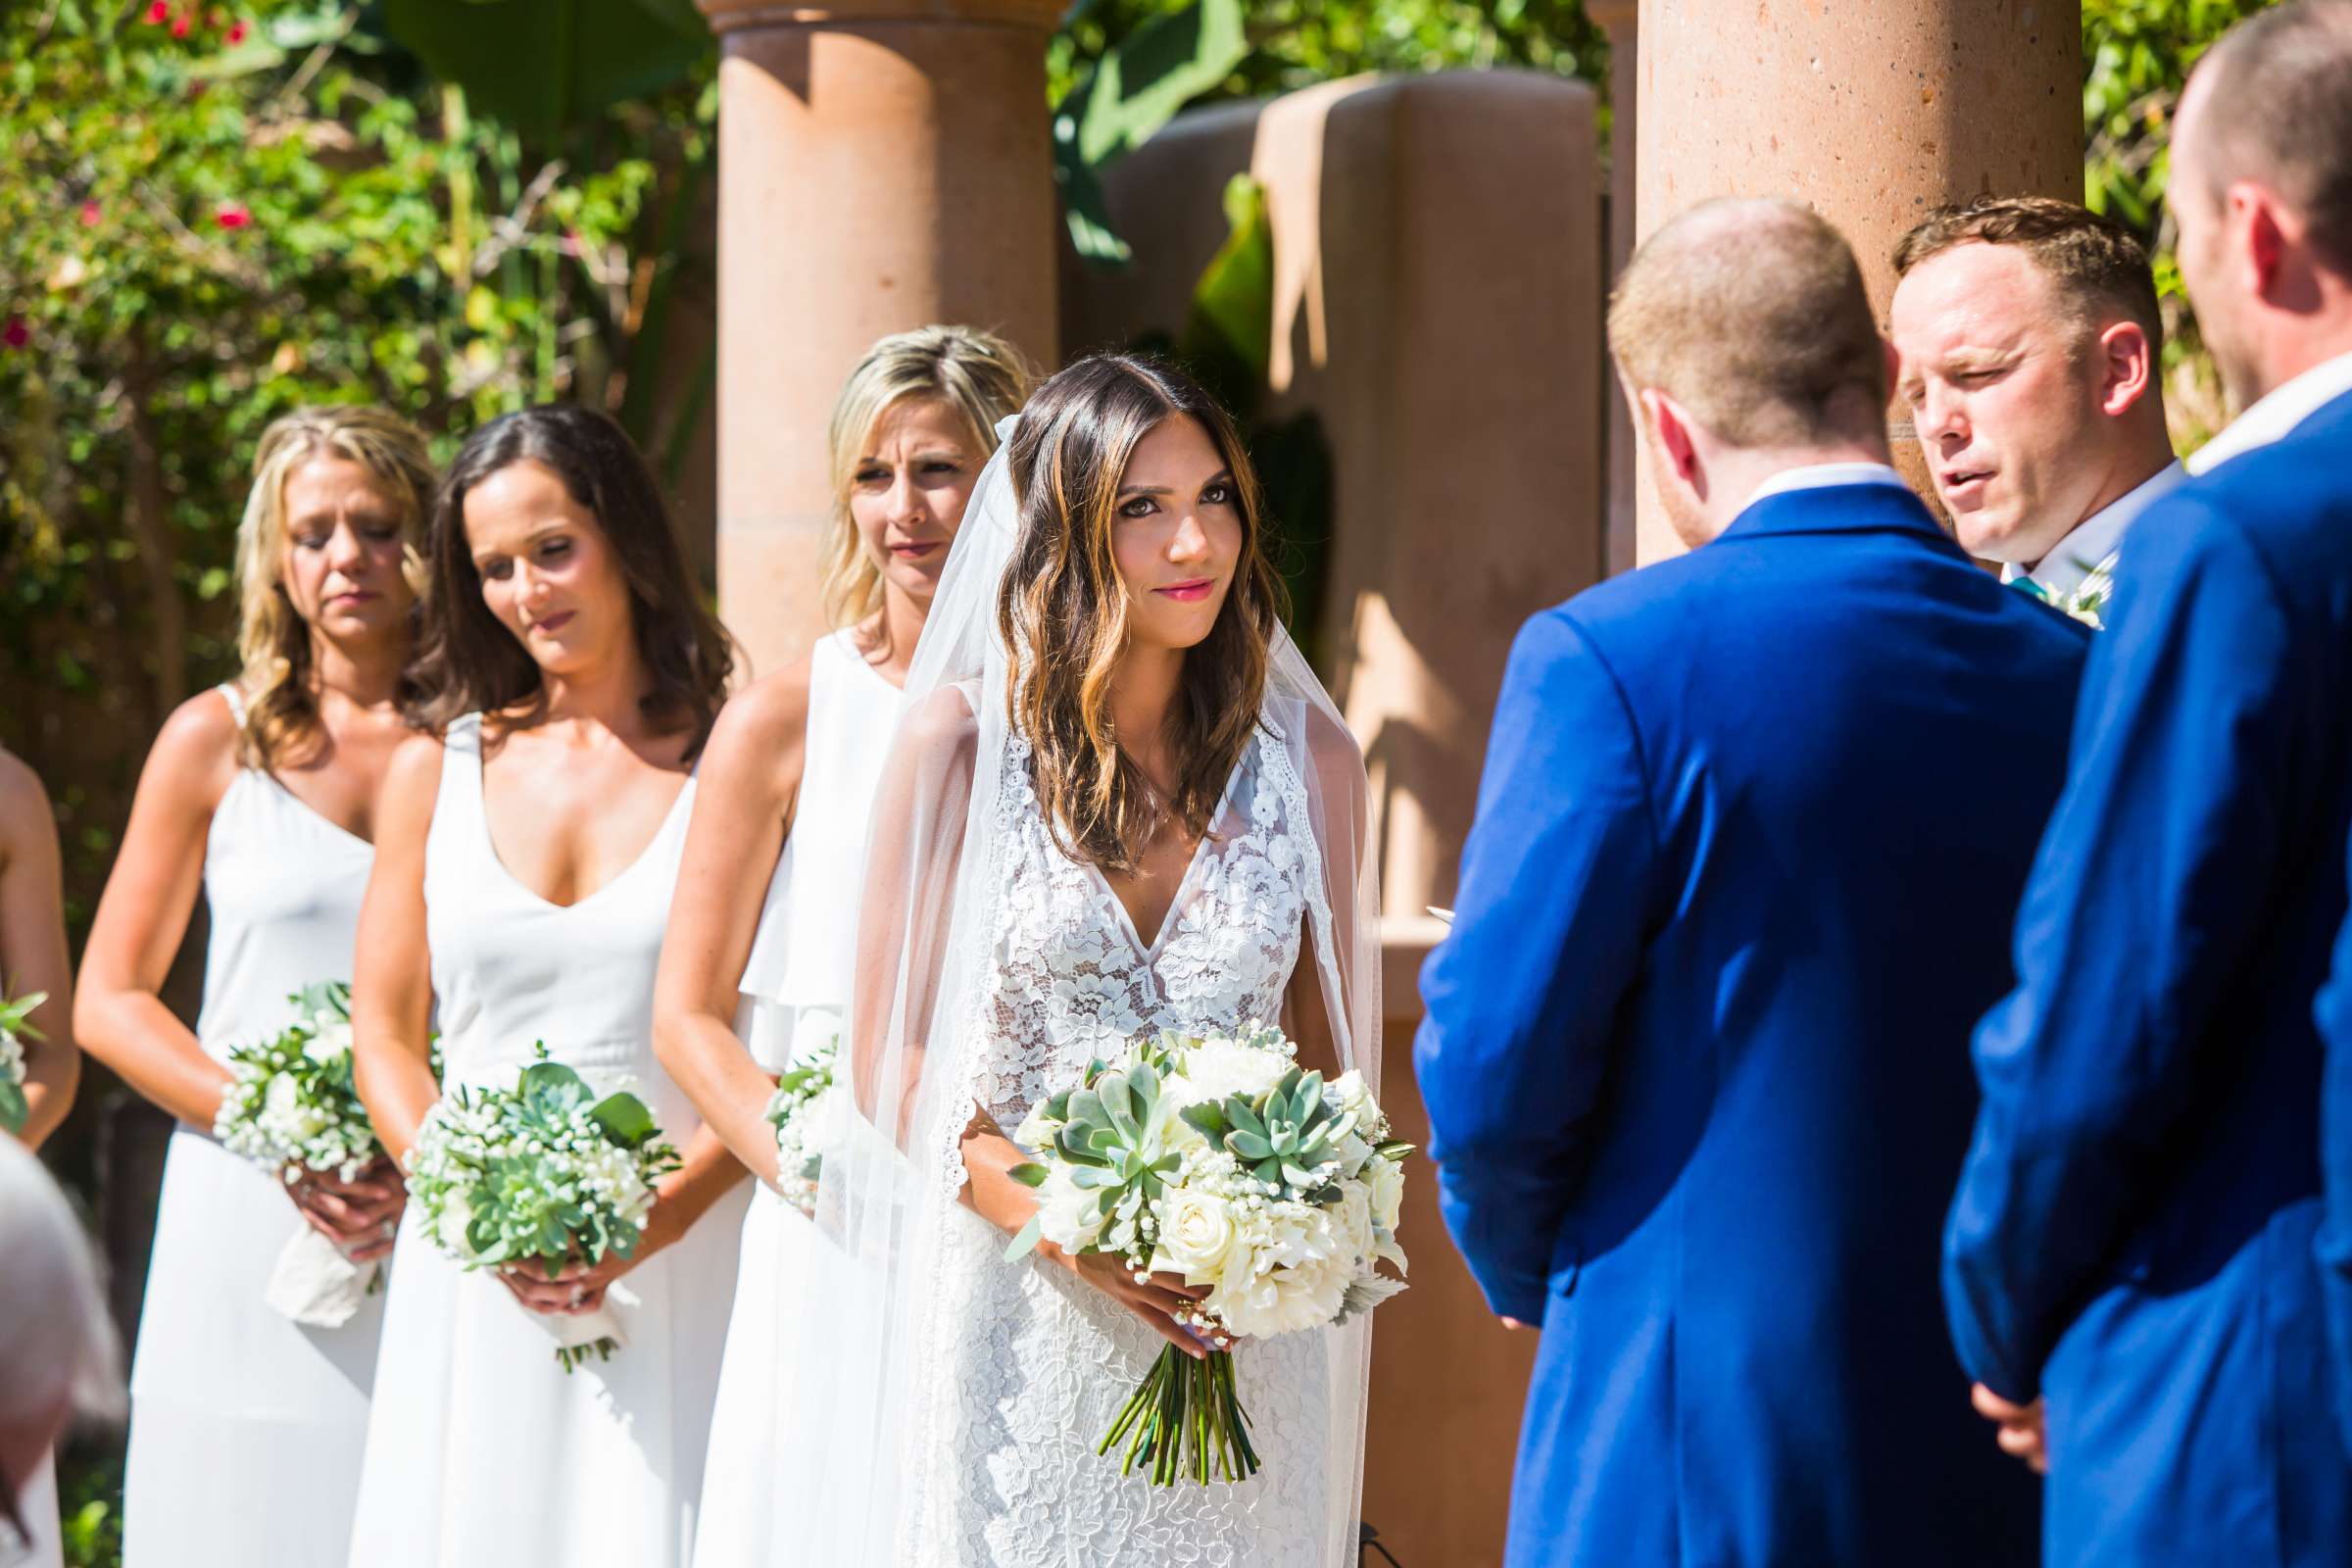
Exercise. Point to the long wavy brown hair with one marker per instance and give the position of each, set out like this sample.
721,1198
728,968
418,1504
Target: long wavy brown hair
1063,604
278,678
469,662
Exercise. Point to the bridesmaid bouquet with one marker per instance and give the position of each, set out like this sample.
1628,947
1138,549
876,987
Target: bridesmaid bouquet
290,1105
291,1109
15,1030
1217,1159
798,1112
546,1172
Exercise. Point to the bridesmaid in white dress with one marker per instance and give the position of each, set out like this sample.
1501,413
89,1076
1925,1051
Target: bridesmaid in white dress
32,959
246,1428
528,856
756,969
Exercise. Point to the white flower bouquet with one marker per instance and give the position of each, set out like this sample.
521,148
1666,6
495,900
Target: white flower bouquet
291,1109
546,1172
799,1111
1219,1160
16,1029
290,1105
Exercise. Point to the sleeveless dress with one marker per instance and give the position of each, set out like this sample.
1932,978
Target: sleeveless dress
37,1505
481,1450
246,1429
1034,1363
796,987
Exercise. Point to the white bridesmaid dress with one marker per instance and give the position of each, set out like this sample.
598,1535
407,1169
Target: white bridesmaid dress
482,1453
246,1429
37,1505
796,987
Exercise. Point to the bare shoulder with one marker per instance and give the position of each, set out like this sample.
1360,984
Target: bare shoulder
24,804
195,752
1330,742
769,716
943,720
412,784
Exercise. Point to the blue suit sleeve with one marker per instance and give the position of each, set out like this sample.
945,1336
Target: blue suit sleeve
1522,996
2148,886
2334,1243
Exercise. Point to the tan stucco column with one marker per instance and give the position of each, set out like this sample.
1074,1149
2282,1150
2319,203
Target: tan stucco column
1871,111
882,164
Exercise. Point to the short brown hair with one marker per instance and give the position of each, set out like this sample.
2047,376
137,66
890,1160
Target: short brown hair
2280,102
2098,264
1751,314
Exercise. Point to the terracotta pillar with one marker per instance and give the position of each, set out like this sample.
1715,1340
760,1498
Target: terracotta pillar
882,164
1618,19
1871,111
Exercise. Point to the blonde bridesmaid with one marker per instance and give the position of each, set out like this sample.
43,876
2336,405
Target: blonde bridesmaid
246,1428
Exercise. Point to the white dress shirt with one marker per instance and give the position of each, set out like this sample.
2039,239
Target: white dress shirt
1825,475
2095,541
2288,405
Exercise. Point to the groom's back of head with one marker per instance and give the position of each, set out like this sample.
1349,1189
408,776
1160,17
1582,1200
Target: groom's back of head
1751,315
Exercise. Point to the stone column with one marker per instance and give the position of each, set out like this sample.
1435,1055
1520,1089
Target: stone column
1618,19
1871,111
882,164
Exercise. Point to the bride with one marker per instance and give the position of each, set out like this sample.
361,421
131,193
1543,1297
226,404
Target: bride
1119,803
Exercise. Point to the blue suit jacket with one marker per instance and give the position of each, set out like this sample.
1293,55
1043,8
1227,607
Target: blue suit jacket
2133,1234
2335,1242
1748,846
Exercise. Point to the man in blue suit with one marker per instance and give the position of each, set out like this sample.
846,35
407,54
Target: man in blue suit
2129,1259
1750,837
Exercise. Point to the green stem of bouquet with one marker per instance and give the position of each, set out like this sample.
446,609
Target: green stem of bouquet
576,1355
1184,1416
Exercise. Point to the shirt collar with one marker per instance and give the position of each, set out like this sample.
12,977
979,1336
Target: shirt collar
1823,476
2288,405
2095,539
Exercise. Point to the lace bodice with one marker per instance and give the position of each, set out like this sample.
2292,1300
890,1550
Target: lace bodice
1072,979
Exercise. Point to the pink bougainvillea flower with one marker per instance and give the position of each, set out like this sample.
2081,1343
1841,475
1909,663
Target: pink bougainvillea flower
233,214
16,334
179,26
236,33
158,13
91,212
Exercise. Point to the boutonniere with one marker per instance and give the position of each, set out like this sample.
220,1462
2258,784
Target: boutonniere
2087,600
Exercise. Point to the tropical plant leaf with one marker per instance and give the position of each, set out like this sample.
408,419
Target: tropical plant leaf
546,65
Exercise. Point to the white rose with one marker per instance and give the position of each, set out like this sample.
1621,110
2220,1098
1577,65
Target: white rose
1214,1070
1304,1294
332,1044
1350,1091
1352,1217
1385,1179
457,1214
1066,1215
1197,1235
282,1099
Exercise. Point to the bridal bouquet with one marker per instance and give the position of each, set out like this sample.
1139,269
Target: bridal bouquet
16,1029
546,1172
798,1112
1219,1160
291,1109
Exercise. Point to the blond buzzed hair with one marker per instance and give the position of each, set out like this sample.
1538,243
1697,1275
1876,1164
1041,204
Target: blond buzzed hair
2279,109
1751,315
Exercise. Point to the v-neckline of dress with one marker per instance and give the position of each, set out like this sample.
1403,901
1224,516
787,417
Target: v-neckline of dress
490,843
1149,951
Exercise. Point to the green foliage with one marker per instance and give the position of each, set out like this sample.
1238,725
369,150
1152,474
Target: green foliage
215,216
2136,56
1297,43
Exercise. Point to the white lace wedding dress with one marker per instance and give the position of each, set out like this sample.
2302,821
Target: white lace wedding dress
1032,1364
